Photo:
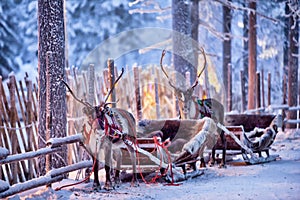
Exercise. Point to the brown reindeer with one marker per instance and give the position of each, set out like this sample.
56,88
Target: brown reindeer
192,107
109,128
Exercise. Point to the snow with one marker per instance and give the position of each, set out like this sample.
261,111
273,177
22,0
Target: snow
279,179
3,152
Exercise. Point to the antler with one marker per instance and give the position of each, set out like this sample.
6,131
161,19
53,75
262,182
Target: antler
77,99
205,63
162,68
111,89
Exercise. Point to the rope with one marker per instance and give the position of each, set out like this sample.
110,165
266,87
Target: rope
153,180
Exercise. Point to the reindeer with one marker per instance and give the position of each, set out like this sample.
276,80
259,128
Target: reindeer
109,128
192,107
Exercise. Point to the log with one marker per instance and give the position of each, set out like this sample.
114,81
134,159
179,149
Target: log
60,171
57,142
33,183
28,155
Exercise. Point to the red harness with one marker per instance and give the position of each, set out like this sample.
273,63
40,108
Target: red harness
111,128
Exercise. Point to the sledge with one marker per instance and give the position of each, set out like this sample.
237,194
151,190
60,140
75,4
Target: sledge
236,135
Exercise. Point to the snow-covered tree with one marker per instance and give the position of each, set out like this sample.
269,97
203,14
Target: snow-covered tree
17,35
51,68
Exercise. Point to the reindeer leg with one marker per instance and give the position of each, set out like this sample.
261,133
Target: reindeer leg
134,181
213,157
118,157
96,183
108,158
224,144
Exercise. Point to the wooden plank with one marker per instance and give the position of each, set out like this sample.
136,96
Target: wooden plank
249,121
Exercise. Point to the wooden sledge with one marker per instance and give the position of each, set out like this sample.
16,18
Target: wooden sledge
233,136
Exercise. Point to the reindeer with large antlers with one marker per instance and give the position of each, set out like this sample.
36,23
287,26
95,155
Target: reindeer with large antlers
109,128
192,107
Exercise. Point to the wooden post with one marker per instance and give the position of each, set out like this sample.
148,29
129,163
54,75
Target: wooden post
229,87
258,102
137,93
12,131
262,89
91,83
111,78
106,80
29,122
5,114
269,88
48,163
243,92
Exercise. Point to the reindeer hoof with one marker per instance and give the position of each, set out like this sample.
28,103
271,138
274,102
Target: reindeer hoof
134,184
222,166
117,182
211,163
108,186
202,165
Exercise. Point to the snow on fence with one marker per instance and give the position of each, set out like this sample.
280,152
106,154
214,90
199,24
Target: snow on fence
54,175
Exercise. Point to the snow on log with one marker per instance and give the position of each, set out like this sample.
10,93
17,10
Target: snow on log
28,155
3,186
3,153
33,183
56,142
76,166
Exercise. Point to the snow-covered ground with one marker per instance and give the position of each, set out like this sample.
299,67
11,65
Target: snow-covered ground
275,180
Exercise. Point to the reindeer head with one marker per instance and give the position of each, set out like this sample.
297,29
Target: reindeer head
94,112
185,96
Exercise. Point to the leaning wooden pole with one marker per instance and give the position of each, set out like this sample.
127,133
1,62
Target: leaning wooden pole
111,78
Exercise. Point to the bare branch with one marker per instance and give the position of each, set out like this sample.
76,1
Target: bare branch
235,7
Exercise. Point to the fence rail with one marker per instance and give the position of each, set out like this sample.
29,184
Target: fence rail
54,175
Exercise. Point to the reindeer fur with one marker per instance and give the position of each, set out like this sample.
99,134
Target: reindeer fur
98,143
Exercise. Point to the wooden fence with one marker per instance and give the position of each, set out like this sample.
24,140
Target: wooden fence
144,92
54,175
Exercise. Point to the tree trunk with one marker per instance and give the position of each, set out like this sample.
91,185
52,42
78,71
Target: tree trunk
51,38
286,41
293,61
194,32
245,53
227,53
183,57
252,55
